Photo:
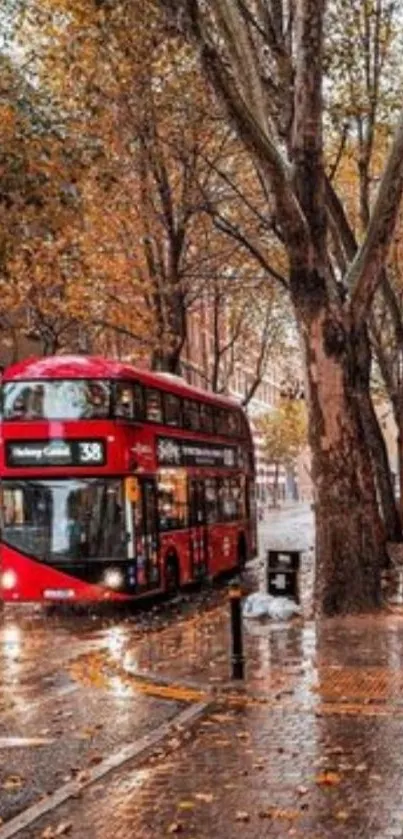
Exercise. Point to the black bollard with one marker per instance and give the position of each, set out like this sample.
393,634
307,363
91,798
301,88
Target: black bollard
237,657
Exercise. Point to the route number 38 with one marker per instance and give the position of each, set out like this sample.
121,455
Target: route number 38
90,452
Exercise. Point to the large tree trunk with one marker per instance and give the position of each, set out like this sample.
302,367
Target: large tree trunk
375,440
398,414
350,538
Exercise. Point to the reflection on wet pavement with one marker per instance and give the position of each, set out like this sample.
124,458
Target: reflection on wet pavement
310,747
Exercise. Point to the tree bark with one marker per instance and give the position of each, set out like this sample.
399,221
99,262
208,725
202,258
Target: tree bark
375,440
350,537
172,332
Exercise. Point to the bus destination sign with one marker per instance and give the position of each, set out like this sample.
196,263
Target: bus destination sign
55,453
174,452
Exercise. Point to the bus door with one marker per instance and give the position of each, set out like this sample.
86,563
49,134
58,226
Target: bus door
198,530
145,533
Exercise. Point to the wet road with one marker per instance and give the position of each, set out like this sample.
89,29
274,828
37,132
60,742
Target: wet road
68,700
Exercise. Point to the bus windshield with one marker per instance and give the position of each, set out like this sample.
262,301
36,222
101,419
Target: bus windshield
62,521
56,400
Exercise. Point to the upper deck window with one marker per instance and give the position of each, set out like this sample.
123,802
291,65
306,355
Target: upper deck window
153,405
124,401
67,399
172,405
191,415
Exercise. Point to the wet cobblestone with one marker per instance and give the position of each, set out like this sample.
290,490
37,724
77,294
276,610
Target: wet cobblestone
309,746
318,755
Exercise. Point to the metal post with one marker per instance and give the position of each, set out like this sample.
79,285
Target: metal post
237,657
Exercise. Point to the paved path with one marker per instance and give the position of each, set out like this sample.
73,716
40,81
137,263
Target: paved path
310,747
70,701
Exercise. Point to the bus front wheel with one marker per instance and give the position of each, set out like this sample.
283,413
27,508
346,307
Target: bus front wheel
172,577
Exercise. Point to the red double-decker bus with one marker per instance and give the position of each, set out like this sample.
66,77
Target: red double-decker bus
116,483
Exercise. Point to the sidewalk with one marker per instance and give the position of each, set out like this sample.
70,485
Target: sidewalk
311,745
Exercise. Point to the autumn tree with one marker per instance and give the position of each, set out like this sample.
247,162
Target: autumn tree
364,65
146,136
283,436
38,206
266,61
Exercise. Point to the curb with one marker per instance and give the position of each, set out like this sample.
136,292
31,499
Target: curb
131,751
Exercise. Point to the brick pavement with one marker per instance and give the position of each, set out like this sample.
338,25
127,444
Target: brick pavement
310,747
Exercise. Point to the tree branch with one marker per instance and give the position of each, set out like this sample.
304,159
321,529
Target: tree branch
364,273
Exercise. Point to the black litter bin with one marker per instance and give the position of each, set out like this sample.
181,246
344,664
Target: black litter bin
283,574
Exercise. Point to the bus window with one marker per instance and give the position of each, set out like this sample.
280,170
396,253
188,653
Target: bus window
206,418
58,521
172,409
62,399
172,499
138,401
153,405
232,424
221,421
124,401
227,502
191,416
238,497
211,500
97,400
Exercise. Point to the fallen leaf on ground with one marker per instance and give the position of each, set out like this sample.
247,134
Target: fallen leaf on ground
341,815
328,779
302,790
94,759
278,813
13,783
362,767
186,805
63,828
175,827
82,776
242,816
204,796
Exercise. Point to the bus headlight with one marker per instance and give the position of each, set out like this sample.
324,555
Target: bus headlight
113,578
8,580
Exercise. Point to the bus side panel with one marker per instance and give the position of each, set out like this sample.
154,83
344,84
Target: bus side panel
177,542
223,541
33,579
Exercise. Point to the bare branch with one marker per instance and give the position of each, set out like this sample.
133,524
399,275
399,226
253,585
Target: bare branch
365,271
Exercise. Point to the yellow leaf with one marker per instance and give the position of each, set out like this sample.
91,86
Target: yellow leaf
328,779
341,815
13,783
186,805
205,796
